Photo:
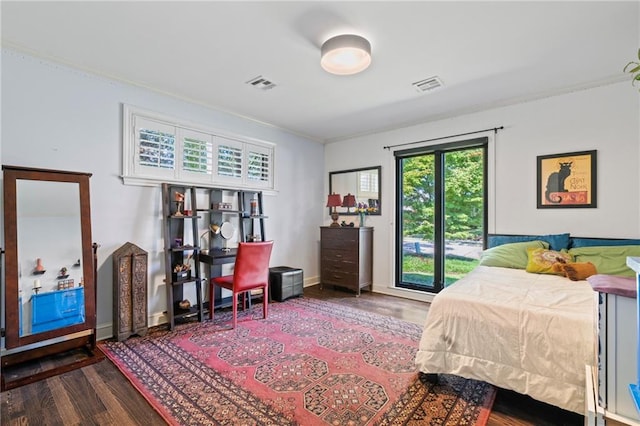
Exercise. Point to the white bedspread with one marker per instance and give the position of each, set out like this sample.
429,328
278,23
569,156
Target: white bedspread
530,333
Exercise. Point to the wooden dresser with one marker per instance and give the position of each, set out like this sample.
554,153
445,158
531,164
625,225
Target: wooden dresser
346,257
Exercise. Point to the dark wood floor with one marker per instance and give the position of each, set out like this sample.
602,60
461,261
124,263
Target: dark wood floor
100,395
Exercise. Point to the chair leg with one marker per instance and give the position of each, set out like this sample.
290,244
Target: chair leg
235,310
212,300
265,298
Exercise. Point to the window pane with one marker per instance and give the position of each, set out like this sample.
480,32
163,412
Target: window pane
197,156
258,166
157,149
463,212
418,214
229,161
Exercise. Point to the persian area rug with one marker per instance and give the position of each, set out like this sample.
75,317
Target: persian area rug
311,362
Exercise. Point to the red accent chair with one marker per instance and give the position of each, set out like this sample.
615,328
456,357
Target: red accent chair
251,272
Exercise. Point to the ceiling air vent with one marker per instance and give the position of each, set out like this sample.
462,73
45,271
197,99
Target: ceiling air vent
427,84
261,83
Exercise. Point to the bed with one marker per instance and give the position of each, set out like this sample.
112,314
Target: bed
530,332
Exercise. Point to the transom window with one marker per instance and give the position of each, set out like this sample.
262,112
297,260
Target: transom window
161,149
157,149
197,156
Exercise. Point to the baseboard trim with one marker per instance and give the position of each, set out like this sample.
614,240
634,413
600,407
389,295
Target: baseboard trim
308,282
105,331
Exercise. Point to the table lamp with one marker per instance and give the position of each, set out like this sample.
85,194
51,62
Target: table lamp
349,201
334,200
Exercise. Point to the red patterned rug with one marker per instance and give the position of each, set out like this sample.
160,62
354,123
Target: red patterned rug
310,363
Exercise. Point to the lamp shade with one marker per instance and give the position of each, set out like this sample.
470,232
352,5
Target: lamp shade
349,200
346,54
334,200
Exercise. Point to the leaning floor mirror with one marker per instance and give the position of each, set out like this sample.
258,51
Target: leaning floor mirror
50,292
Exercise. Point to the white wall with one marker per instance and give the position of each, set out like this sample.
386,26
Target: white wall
604,118
60,118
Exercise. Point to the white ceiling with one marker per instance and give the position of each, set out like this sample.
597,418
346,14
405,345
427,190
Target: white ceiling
486,53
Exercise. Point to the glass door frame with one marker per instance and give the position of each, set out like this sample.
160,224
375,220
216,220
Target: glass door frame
439,150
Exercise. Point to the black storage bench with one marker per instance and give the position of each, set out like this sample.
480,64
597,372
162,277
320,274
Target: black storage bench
285,282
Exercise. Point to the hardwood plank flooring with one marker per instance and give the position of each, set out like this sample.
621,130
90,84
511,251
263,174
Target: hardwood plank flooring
94,395
100,395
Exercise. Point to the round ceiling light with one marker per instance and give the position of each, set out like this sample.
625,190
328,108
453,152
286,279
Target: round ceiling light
346,54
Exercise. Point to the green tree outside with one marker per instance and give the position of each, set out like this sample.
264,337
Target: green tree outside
463,213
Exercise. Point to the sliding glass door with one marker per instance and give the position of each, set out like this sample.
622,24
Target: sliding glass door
441,213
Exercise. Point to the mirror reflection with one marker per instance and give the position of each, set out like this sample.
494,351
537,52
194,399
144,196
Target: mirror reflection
363,184
50,282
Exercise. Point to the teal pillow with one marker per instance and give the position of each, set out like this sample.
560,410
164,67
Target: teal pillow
555,241
513,255
589,242
609,260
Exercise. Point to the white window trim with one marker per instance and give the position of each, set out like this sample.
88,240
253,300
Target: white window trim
133,174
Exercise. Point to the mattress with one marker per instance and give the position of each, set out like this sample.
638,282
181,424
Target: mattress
530,333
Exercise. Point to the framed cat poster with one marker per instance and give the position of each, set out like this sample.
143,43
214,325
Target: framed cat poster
567,180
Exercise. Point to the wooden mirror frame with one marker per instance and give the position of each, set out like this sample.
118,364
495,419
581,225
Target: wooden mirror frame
79,335
334,187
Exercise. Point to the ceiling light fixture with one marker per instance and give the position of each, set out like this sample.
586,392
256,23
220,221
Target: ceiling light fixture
346,54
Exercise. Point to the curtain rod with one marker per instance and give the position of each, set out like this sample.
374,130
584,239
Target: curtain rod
495,130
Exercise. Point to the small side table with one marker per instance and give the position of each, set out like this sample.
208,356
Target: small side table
285,282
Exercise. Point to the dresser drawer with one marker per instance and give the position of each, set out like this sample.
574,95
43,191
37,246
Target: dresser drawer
345,256
339,237
339,244
339,266
340,278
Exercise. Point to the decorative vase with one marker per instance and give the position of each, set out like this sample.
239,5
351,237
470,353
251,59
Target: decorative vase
362,220
39,269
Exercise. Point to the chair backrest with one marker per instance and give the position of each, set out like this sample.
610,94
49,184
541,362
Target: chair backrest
252,265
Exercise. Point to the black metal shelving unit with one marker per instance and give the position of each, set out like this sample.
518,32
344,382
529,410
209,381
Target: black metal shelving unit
181,246
243,207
